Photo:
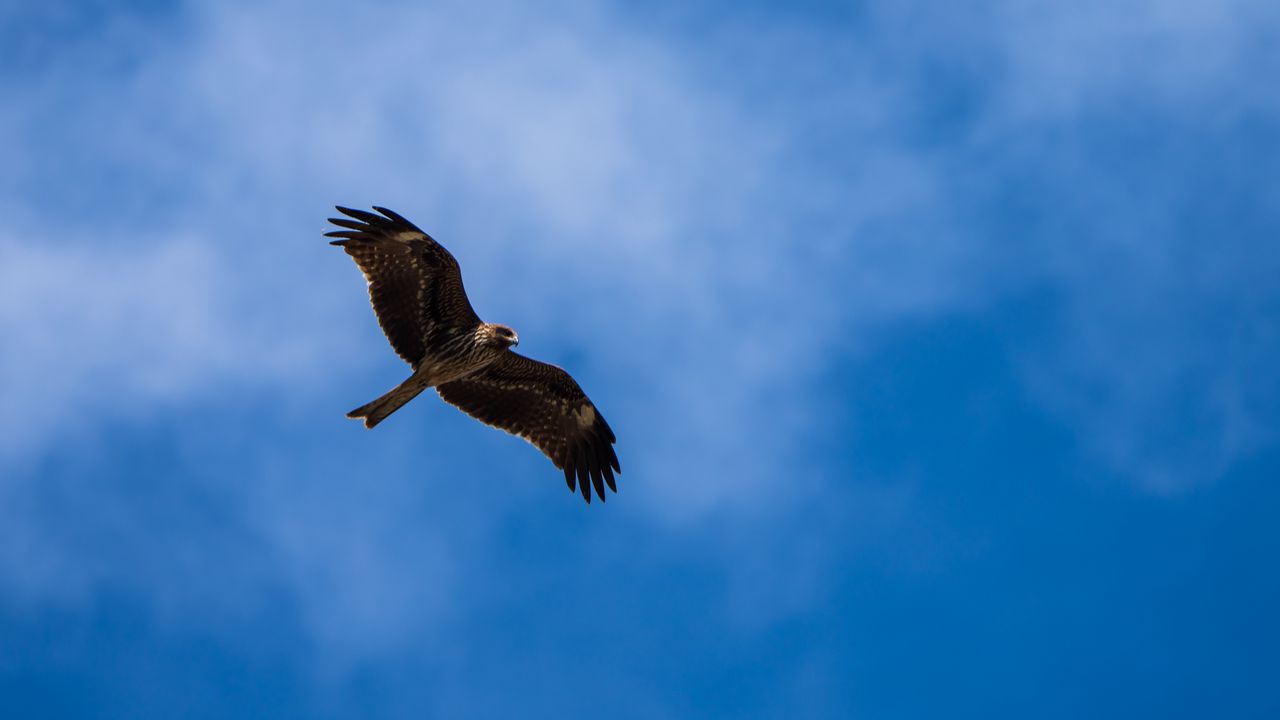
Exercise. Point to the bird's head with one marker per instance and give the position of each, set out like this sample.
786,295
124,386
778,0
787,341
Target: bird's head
499,336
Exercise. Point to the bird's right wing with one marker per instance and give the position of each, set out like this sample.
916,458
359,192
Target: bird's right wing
415,284
544,405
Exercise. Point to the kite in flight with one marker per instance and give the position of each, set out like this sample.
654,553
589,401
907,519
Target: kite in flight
415,286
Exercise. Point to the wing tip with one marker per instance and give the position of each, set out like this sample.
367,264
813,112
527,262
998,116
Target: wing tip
374,226
353,212
345,240
569,478
587,468
396,217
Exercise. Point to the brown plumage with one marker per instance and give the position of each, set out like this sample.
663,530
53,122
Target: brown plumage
416,290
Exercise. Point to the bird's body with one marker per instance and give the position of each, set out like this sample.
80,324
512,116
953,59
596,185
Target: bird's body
416,290
456,353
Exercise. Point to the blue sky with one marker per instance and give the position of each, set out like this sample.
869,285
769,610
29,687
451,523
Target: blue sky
940,341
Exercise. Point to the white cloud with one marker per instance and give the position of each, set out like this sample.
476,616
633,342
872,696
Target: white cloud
608,162
661,219
564,149
104,331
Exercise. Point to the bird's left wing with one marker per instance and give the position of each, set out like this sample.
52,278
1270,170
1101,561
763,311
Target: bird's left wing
544,405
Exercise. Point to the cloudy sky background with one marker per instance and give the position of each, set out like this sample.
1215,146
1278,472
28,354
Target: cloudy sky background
940,341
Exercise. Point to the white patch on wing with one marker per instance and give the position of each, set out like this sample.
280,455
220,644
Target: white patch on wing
408,235
586,416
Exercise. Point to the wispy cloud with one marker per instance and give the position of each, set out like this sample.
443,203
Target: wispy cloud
1127,120
701,245
605,152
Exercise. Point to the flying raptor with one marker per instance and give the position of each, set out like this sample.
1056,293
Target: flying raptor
415,286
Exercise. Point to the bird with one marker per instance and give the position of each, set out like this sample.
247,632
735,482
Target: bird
415,287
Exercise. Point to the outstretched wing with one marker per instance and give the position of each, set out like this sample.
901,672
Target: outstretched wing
544,405
415,285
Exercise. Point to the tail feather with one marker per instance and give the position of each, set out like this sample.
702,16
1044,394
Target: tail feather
375,412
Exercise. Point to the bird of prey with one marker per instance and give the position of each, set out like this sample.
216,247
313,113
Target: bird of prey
416,290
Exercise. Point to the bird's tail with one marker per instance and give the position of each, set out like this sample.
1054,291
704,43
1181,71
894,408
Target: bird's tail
378,410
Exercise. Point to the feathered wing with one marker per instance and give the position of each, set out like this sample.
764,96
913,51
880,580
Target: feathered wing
544,405
415,284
